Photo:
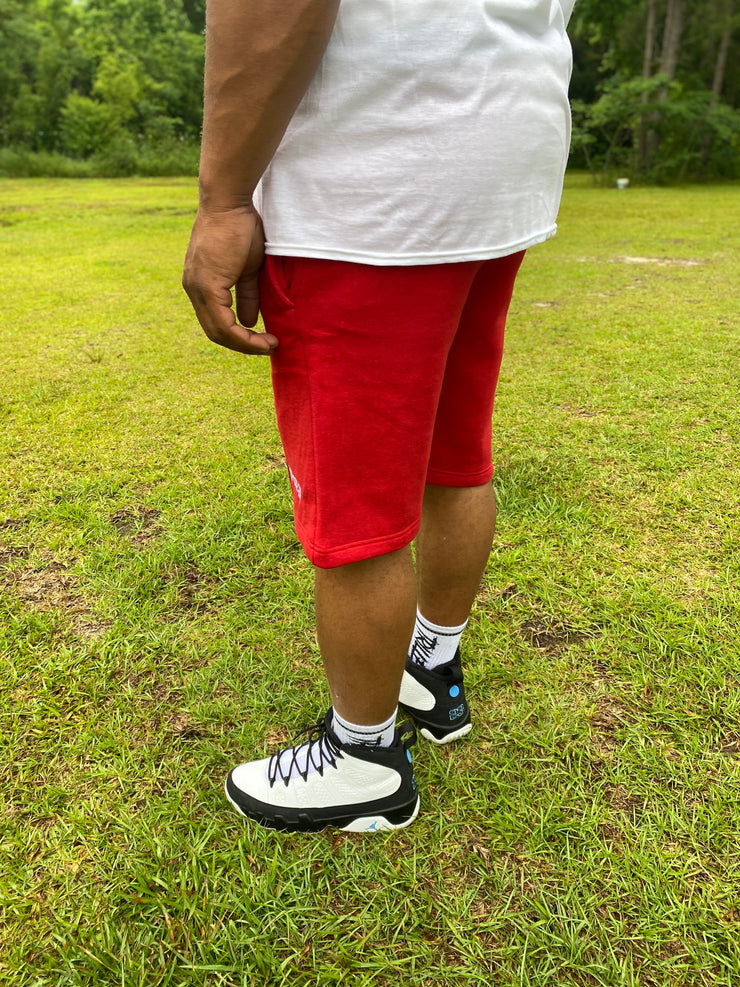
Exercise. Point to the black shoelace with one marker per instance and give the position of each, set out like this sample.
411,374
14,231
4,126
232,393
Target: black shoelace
321,750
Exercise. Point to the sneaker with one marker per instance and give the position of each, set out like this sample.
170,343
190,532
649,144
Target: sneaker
322,782
436,700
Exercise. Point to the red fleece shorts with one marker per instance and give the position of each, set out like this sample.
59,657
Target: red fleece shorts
384,381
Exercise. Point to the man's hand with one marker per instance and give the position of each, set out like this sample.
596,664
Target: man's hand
226,251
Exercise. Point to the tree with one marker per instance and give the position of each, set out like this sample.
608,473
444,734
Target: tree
19,40
647,71
124,77
672,32
652,102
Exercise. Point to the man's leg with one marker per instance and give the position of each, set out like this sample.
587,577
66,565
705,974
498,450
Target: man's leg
453,546
459,511
364,619
344,775
457,528
365,611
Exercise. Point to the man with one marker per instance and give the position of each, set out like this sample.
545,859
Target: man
403,154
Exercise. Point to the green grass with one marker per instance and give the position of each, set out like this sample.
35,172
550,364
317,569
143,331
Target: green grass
156,628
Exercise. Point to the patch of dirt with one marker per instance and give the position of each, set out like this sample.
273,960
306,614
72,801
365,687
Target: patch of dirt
138,523
49,587
613,834
173,726
274,461
10,552
87,629
549,637
55,588
194,591
13,524
10,219
164,692
180,726
193,582
730,745
161,211
608,717
275,738
602,672
505,546
526,867
623,801
490,594
580,411
660,261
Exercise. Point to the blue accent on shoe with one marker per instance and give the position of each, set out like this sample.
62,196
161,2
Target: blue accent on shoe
408,755
455,691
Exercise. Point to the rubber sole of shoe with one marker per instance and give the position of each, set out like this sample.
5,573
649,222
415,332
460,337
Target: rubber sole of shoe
426,729
304,823
448,737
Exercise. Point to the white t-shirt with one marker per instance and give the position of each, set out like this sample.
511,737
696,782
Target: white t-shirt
434,131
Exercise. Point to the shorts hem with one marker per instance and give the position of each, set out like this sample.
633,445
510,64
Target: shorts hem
445,478
357,551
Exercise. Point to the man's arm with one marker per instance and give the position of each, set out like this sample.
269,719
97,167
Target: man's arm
260,58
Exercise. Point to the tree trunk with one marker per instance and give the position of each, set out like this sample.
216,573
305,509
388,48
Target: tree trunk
719,74
672,32
647,71
669,52
724,46
649,49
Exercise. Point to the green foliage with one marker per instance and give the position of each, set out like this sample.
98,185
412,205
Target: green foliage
123,157
88,125
630,117
147,157
118,84
20,162
686,133
118,81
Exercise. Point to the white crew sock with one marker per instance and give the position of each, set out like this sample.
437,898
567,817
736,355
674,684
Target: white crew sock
433,644
378,735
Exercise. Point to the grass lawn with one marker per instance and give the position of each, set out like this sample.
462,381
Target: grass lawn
156,627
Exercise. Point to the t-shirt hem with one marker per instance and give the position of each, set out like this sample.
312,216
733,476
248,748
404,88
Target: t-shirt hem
407,259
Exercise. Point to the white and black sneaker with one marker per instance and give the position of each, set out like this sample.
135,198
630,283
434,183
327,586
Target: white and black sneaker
321,782
436,700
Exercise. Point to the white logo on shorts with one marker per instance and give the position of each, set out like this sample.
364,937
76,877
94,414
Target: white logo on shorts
295,482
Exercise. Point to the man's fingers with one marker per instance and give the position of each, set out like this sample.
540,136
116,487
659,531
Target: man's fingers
219,324
240,339
247,341
248,299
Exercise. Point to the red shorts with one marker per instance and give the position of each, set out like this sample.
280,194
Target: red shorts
384,381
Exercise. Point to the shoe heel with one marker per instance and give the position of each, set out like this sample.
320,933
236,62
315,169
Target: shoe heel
448,737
